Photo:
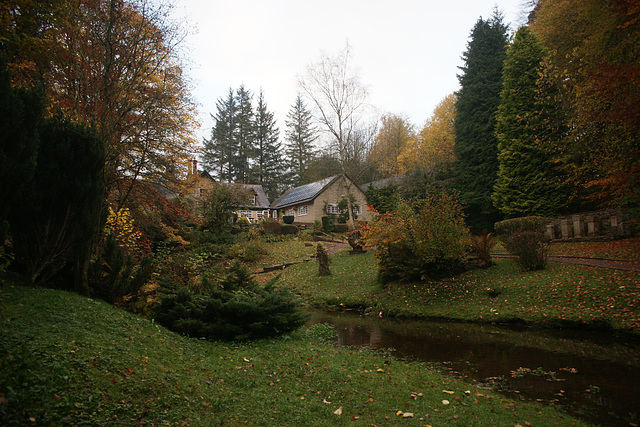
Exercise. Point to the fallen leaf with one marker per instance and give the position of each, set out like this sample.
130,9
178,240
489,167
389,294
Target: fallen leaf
445,402
448,392
326,402
407,415
338,411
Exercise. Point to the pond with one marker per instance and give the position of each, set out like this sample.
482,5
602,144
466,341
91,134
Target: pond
592,375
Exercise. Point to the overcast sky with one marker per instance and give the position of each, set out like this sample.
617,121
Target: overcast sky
407,51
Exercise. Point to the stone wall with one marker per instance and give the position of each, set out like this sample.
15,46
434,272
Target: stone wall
603,224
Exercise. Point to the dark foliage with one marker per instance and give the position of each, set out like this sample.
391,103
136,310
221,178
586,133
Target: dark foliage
525,238
237,308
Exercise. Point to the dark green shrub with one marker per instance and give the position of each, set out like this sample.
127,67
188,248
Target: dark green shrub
288,219
526,239
327,224
272,226
237,308
340,228
289,229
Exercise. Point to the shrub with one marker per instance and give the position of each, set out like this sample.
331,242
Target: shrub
288,219
243,221
237,308
289,229
340,228
247,251
525,238
327,224
482,246
427,239
272,226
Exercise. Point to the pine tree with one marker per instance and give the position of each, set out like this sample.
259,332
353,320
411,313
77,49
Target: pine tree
526,184
244,136
300,135
268,169
476,146
218,153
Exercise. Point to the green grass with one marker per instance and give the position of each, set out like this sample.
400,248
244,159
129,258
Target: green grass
559,295
69,360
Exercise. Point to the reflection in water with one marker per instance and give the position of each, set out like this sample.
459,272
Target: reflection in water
592,375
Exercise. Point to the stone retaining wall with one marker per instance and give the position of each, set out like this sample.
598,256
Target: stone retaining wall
603,224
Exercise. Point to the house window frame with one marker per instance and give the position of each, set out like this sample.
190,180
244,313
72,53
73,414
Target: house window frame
332,209
303,210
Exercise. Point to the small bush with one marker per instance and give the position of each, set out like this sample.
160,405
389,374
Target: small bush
288,219
247,251
427,239
243,221
272,226
289,229
237,308
340,228
525,238
327,224
482,246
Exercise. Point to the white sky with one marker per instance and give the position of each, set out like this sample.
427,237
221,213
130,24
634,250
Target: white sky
407,51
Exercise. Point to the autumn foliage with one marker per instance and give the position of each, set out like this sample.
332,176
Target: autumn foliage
420,240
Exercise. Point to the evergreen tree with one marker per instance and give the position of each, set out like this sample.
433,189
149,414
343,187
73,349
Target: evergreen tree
268,167
245,150
476,145
526,184
218,153
300,135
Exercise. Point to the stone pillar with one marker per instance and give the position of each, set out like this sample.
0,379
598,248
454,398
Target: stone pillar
564,229
577,226
592,226
550,232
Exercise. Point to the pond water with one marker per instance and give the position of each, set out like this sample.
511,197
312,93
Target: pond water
595,376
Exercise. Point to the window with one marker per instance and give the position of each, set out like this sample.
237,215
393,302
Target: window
203,192
291,212
357,210
255,200
333,209
302,210
245,214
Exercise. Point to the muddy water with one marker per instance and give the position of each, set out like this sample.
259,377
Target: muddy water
595,376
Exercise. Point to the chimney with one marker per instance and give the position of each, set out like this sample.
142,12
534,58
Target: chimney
194,167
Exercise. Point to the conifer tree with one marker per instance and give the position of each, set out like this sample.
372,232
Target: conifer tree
300,135
244,139
219,150
476,145
268,169
526,184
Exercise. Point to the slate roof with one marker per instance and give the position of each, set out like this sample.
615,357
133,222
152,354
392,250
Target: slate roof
262,201
303,193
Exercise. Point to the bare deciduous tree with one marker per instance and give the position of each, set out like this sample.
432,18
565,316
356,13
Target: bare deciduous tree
339,98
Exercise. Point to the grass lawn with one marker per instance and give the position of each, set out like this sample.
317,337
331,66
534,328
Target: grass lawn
69,360
559,295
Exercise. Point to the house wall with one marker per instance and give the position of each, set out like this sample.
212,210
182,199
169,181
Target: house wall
331,195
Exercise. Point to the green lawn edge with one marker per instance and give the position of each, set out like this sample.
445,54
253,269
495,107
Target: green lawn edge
71,360
561,295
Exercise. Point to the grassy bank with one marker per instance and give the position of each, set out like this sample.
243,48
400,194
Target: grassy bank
560,295
69,360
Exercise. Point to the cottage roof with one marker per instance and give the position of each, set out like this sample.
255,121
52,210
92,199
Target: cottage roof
262,201
303,193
